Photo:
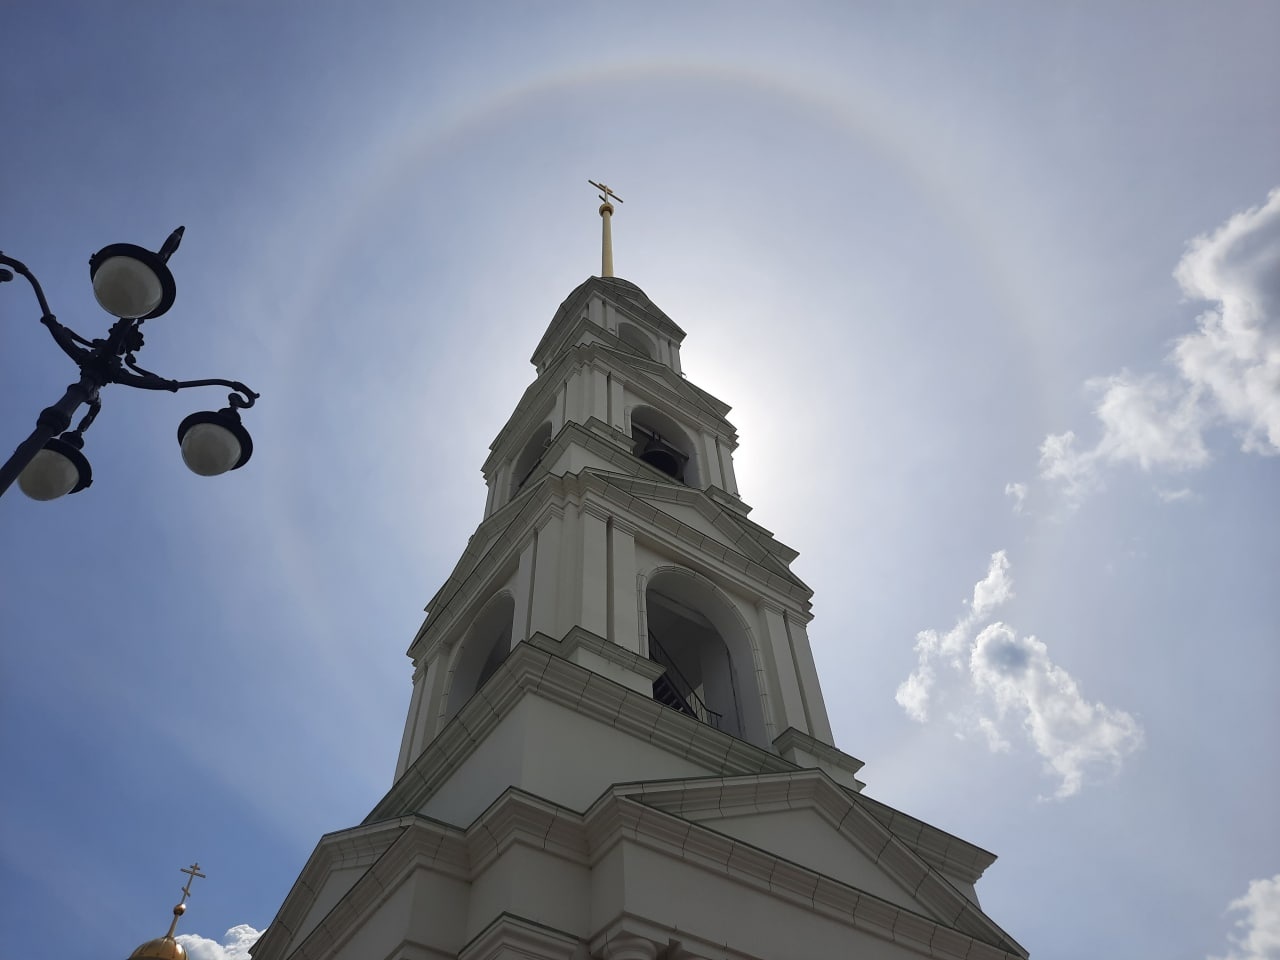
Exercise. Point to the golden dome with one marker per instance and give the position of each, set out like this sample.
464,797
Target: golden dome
161,948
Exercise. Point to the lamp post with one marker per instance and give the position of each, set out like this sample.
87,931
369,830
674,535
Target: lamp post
133,285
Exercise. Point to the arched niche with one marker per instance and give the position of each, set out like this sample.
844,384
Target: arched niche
663,444
704,643
633,336
481,651
530,454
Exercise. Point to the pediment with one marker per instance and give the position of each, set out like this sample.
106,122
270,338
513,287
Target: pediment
642,367
684,512
808,820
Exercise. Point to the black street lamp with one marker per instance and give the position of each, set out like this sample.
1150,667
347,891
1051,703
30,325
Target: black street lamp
132,284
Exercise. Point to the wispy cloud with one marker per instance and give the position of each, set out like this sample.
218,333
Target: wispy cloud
1257,932
234,946
996,680
1224,374
1018,492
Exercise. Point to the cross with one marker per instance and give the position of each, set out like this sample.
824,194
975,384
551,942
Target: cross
192,872
606,192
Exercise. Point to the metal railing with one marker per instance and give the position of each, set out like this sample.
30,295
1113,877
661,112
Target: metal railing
675,690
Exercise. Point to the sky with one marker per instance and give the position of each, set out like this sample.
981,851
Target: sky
993,289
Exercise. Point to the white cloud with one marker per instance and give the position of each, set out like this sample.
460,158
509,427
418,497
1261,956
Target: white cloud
988,593
1257,935
235,944
995,589
1018,491
999,679
1226,373
1173,496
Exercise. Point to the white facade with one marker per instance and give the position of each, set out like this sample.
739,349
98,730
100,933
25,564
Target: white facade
617,745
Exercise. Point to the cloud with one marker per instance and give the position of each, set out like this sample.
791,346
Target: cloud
235,944
1224,374
997,680
1018,491
989,592
1257,935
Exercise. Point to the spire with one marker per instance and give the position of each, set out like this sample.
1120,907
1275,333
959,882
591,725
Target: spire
166,947
606,238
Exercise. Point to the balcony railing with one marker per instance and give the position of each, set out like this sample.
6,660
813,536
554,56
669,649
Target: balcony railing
674,690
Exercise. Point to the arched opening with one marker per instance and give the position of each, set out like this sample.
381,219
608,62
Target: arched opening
632,336
483,649
660,442
530,457
704,648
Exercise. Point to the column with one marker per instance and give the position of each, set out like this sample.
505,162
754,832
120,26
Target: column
773,631
594,611
544,605
616,403
524,592
711,472
810,689
599,403
411,722
624,605
725,457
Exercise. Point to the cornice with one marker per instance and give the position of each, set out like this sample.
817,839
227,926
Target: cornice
755,560
949,853
356,847
580,637
655,372
715,798
617,818
530,671
510,935
643,814
621,295
791,737
748,554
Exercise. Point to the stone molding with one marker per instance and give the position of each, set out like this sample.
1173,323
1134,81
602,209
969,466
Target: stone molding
634,813
749,564
805,751
582,638
510,937
846,812
529,670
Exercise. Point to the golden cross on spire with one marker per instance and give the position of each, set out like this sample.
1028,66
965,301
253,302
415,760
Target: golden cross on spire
605,191
606,236
192,872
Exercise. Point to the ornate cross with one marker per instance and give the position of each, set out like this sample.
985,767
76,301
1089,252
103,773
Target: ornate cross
192,872
605,192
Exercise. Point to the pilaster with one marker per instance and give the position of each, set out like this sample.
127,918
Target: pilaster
594,611
624,613
545,602
789,703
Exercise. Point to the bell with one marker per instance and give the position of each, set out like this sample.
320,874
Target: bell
658,454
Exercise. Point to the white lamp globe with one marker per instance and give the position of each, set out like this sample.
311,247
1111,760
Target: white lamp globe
213,443
131,282
125,287
57,469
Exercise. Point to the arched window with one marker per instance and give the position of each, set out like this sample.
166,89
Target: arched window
660,442
632,336
703,644
529,457
482,651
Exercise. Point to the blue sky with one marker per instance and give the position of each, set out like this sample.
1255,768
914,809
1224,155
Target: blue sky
915,245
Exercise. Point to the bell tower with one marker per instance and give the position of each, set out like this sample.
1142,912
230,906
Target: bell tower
616,744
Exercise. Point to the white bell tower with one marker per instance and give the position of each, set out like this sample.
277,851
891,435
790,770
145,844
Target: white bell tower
617,745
